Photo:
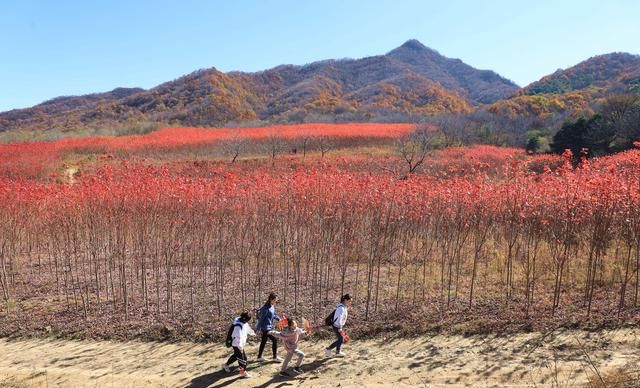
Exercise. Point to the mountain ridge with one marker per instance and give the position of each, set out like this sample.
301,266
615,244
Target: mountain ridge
576,90
411,79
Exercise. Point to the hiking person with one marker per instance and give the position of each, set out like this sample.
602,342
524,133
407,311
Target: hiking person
290,337
266,316
238,339
338,321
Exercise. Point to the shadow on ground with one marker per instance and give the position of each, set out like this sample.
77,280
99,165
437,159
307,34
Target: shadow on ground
221,378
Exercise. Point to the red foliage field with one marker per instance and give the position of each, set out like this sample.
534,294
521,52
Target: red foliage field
31,159
483,238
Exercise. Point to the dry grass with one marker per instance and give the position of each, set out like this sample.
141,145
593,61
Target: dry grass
627,377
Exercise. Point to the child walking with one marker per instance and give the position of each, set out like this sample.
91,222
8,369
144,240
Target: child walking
266,316
339,320
241,330
290,337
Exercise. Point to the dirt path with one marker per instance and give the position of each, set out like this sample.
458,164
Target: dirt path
440,360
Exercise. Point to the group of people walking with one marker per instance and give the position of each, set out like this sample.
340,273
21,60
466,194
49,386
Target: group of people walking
290,336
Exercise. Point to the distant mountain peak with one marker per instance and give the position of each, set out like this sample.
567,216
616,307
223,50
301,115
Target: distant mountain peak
414,44
479,86
413,48
412,79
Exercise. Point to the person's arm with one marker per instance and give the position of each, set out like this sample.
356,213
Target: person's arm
283,334
258,321
343,318
337,318
250,331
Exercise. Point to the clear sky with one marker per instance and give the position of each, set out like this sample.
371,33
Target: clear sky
65,47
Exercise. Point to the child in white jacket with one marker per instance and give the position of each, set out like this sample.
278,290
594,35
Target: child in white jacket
339,320
239,339
290,337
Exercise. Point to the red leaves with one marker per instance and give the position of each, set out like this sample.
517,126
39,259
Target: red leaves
346,208
482,182
34,159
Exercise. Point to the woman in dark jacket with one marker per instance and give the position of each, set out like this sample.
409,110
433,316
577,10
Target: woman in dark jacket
266,316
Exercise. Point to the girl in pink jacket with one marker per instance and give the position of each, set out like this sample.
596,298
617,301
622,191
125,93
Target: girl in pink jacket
290,337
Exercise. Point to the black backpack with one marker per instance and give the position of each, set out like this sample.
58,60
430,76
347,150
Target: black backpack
329,319
229,340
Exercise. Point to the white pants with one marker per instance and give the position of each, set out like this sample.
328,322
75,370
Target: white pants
288,357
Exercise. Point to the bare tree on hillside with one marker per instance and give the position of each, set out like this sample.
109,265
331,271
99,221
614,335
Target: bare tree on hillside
621,113
414,147
236,146
274,145
456,130
304,139
324,145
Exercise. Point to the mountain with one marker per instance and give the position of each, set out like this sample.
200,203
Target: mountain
52,112
609,72
479,86
576,90
411,79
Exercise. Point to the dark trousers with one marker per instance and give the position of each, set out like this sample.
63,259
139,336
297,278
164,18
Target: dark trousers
263,342
339,340
240,356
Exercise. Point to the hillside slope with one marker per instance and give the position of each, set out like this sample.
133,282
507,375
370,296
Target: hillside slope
411,79
576,90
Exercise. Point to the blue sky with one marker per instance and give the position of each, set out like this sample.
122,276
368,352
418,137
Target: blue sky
67,47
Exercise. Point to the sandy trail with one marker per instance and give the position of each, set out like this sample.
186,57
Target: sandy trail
432,360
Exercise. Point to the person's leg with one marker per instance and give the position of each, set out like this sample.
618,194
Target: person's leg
274,346
287,358
263,342
300,357
242,359
338,342
334,343
234,356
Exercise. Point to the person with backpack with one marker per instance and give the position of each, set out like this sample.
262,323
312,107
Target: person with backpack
237,338
266,316
290,337
337,319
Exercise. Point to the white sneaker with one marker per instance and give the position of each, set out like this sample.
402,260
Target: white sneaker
226,368
278,359
328,353
341,354
261,359
245,375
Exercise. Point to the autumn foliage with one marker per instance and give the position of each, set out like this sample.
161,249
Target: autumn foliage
34,159
482,236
